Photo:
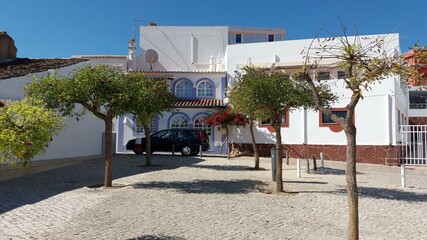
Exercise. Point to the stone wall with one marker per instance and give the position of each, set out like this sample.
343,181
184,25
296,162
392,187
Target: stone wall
378,154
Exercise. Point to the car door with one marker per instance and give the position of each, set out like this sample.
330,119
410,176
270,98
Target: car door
159,139
175,139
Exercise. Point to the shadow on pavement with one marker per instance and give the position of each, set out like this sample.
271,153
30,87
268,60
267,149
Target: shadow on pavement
221,167
389,194
151,237
309,182
33,188
207,186
332,171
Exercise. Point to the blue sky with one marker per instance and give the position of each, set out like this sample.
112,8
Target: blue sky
60,28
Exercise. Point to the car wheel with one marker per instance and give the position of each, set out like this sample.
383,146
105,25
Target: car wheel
186,151
138,152
194,153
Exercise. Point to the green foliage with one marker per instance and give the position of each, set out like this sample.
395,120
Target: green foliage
26,129
365,60
262,92
415,67
150,97
101,89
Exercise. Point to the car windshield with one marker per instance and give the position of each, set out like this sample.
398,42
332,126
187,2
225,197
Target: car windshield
161,134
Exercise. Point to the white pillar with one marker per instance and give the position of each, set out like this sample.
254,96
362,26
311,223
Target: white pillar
402,175
322,163
299,167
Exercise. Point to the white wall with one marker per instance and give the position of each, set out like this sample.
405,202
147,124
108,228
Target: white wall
182,48
79,138
375,115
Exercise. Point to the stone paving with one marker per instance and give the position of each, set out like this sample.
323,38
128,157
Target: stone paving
209,198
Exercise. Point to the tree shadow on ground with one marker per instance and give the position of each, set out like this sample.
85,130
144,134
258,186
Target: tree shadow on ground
389,194
309,182
36,187
152,237
221,167
207,186
332,171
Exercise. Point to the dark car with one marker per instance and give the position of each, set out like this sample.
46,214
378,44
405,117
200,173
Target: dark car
186,141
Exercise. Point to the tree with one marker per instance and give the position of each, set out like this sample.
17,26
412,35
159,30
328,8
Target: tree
365,62
151,97
274,93
415,65
100,89
26,130
240,101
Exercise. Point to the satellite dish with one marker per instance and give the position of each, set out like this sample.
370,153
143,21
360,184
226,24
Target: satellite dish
151,57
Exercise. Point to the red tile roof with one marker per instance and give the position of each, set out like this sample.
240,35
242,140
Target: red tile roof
200,103
23,66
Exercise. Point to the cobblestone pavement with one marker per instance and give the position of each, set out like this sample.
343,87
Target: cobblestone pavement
209,198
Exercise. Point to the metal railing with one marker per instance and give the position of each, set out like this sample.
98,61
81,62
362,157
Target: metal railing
413,146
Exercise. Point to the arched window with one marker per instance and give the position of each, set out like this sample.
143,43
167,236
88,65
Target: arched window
198,124
205,89
179,121
183,89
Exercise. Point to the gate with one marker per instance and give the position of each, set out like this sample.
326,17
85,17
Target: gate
413,148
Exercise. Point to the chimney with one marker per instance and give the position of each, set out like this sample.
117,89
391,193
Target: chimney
7,47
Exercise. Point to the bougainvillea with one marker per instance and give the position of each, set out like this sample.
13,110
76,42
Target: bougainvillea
226,117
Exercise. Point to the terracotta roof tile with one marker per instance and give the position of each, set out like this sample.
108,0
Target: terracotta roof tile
200,103
24,66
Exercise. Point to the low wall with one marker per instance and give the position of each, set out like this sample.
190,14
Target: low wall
376,154
7,172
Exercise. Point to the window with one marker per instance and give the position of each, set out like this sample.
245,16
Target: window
179,121
271,38
325,121
259,38
278,37
161,134
324,75
183,89
342,75
418,99
238,38
248,38
205,89
198,124
140,129
265,122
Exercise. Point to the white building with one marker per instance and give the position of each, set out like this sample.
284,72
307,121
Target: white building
79,140
193,59
306,133
201,58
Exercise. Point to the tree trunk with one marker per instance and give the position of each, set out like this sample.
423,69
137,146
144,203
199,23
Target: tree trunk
108,180
352,193
276,122
254,146
147,145
226,138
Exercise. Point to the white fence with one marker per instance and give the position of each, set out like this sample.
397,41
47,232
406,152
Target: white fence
413,147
